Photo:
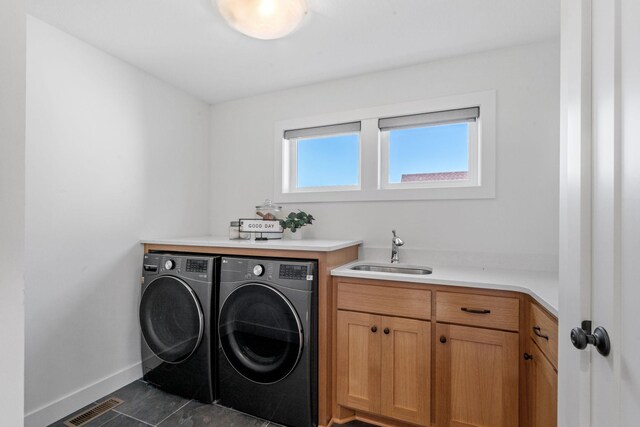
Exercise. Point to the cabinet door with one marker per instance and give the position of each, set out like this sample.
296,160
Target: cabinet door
406,369
476,377
358,358
542,389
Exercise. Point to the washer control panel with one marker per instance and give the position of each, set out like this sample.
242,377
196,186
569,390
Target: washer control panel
184,266
293,272
197,265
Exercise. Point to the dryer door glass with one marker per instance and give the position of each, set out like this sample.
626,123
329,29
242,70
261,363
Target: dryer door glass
260,333
171,319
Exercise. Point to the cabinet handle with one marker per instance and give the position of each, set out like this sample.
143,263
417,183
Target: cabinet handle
374,329
527,356
536,330
386,331
475,310
443,339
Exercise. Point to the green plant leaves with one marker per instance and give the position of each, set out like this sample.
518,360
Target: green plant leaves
296,220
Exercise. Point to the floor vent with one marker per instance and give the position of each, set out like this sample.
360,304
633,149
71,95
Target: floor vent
93,413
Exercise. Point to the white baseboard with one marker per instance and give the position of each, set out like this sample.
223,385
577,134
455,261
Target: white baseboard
57,409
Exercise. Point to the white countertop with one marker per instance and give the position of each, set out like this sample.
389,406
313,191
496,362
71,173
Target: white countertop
542,286
289,245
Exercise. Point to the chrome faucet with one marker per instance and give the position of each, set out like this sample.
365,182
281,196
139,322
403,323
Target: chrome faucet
395,243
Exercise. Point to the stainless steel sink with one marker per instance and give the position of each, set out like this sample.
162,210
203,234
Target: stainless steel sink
392,269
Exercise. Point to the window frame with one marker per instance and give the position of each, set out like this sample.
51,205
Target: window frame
473,164
292,173
371,157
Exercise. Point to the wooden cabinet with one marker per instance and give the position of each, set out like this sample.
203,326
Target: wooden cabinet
383,351
541,362
542,389
403,302
477,367
406,369
358,353
384,365
543,330
451,357
476,377
487,311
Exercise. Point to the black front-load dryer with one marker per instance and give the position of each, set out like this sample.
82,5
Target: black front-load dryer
267,332
177,320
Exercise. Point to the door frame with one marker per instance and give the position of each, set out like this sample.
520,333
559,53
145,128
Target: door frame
574,367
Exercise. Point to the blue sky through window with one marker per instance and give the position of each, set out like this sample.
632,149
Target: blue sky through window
334,160
428,149
328,161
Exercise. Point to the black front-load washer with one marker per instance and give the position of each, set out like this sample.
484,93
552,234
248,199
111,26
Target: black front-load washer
177,320
267,332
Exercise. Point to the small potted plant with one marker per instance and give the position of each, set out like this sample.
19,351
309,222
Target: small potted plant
296,220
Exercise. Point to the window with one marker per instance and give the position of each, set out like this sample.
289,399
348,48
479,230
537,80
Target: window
440,148
430,150
323,158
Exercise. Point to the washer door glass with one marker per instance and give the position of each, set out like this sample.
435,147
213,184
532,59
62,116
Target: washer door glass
171,319
260,333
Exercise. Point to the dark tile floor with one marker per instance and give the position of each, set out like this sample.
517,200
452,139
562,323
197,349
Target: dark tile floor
145,405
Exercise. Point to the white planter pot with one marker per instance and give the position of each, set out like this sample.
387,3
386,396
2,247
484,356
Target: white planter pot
294,236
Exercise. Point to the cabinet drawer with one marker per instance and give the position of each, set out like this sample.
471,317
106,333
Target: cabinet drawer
544,331
404,302
478,310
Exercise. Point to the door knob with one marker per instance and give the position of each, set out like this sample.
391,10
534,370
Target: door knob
581,337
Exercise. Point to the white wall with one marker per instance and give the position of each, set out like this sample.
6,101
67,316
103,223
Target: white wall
518,228
112,155
12,194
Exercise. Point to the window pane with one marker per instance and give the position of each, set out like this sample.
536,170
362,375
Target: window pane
428,154
328,161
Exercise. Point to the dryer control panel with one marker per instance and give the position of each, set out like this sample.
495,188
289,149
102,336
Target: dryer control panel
295,274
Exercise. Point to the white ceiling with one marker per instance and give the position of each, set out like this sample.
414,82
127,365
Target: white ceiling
186,42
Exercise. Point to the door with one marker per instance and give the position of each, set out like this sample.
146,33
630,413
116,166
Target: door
406,369
171,319
358,358
542,393
260,333
383,365
476,377
600,210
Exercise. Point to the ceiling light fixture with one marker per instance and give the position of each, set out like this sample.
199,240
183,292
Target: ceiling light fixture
263,19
